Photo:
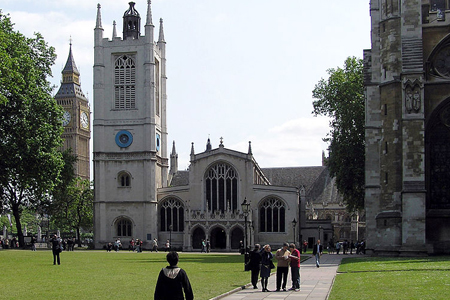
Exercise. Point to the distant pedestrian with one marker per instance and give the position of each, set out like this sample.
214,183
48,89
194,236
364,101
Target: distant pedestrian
56,249
266,263
295,267
282,257
305,246
131,245
317,251
117,245
172,281
155,245
208,246
33,243
338,247
167,245
254,264
203,246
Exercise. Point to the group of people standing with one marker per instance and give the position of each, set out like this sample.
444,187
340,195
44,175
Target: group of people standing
206,246
260,263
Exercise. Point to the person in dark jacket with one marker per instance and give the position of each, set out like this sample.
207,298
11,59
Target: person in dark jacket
172,280
56,249
255,264
266,259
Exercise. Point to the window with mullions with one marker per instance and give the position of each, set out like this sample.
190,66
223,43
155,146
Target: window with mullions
125,82
172,213
221,188
124,180
272,215
124,227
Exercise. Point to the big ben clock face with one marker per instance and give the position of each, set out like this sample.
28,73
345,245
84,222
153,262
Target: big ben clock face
66,118
84,120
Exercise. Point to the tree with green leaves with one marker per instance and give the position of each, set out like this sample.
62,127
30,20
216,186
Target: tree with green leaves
341,98
74,209
30,122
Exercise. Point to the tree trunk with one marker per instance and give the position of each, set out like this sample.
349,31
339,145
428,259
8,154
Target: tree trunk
16,214
79,237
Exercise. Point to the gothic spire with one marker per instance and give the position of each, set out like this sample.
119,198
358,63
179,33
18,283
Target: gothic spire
99,17
114,30
70,66
208,145
161,32
250,148
149,13
192,149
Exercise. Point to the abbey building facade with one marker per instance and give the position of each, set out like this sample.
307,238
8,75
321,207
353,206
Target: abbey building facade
407,80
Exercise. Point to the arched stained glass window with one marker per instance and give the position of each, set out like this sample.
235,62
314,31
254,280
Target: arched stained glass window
172,213
272,215
221,188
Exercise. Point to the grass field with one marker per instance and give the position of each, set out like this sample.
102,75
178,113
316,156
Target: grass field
122,275
392,278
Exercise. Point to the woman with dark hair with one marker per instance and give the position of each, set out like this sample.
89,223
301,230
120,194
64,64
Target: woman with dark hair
172,280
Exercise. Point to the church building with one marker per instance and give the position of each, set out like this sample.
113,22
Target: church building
224,196
407,82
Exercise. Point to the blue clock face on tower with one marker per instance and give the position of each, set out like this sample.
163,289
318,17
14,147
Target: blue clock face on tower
124,138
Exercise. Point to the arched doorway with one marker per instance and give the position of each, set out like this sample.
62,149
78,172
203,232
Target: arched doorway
237,235
218,238
438,178
197,236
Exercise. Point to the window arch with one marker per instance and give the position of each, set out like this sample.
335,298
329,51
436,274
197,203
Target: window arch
124,179
272,216
221,187
123,227
172,213
124,82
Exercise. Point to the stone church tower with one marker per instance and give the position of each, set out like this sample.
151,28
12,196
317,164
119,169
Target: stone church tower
77,132
130,128
407,80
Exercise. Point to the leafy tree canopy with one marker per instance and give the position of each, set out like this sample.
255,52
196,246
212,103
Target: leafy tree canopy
341,98
30,122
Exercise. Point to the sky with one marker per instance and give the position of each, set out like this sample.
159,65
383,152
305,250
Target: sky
243,70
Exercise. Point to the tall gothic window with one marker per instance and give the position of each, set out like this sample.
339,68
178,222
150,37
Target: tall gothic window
272,215
221,188
172,213
124,82
123,227
157,88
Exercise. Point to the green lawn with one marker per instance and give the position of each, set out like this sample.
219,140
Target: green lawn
122,275
392,278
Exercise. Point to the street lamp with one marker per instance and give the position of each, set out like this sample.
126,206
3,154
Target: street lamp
245,209
294,224
170,236
320,227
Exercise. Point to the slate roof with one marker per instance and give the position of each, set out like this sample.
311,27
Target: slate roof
181,178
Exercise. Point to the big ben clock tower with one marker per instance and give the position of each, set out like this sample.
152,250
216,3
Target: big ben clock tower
130,129
76,118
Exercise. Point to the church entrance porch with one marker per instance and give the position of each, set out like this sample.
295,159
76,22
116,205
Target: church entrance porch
218,239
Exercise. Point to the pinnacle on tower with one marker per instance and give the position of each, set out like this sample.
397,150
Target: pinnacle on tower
161,32
149,13
98,24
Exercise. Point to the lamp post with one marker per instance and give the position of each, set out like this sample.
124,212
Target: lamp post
170,236
318,229
294,224
245,209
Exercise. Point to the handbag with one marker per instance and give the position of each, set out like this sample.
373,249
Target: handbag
272,266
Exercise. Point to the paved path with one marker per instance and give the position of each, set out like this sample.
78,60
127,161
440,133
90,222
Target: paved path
315,283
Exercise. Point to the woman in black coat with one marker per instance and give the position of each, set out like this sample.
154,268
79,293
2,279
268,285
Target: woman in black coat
254,264
266,259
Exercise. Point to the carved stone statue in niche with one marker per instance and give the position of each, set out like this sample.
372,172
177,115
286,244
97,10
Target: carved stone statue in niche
413,98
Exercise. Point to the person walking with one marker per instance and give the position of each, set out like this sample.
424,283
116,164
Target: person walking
56,249
295,267
317,251
266,263
155,245
282,257
254,264
167,245
172,281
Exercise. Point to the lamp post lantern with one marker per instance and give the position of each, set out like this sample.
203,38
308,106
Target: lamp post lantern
245,209
294,224
320,227
170,236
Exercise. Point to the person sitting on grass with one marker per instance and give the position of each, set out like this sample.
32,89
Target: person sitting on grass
172,280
